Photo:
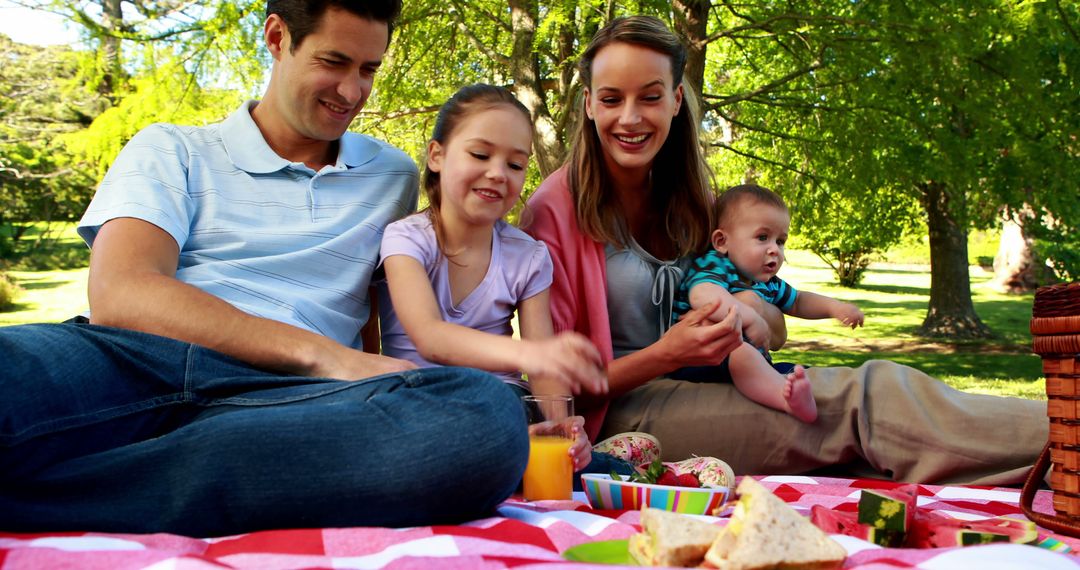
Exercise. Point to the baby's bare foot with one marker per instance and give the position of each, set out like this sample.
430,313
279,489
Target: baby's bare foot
800,398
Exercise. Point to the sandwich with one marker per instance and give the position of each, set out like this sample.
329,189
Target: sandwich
671,539
764,533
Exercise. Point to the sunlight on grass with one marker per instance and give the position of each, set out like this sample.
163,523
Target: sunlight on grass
894,299
48,296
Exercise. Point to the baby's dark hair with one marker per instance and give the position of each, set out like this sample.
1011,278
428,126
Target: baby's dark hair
735,195
466,102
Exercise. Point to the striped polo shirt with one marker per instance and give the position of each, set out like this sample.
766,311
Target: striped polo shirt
274,238
716,268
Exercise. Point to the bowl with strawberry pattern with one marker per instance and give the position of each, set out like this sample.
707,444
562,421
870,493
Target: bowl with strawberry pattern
660,486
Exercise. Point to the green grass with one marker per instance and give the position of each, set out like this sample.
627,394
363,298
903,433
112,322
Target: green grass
894,297
48,296
44,247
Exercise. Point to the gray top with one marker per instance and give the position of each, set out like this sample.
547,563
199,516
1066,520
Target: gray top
641,290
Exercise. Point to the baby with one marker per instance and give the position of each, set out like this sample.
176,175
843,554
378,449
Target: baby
740,270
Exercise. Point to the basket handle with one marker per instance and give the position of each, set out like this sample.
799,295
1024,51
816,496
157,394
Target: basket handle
1056,523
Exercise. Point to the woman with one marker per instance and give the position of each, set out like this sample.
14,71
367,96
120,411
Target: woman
621,221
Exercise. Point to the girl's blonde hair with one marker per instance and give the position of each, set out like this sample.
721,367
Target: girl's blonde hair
681,195
466,102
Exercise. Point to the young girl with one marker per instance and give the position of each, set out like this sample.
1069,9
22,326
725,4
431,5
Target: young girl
456,272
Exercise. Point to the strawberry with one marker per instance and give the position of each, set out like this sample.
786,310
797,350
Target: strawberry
668,478
687,480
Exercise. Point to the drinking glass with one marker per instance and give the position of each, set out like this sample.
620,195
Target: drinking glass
549,474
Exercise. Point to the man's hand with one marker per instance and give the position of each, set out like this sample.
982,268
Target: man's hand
133,285
348,364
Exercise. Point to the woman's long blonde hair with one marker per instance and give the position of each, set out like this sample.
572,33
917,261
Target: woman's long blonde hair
681,193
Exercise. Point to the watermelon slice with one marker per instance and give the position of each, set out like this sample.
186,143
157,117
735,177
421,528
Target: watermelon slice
933,530
847,524
1019,531
889,509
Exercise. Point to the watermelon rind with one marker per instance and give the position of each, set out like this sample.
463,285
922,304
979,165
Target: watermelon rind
888,509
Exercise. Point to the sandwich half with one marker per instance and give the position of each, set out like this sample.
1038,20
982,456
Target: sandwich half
671,539
765,533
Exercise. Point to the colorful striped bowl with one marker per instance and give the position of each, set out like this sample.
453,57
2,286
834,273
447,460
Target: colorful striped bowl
607,493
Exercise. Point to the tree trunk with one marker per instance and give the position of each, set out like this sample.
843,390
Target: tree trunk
1016,267
112,20
951,312
524,69
691,22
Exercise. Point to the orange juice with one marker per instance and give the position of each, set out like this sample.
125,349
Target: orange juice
550,472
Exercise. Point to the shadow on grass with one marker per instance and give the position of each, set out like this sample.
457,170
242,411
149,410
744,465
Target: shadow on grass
900,269
1019,368
893,289
16,307
41,285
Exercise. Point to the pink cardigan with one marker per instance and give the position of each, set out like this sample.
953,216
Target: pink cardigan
579,287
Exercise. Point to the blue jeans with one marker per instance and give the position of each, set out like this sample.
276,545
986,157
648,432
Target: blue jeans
112,430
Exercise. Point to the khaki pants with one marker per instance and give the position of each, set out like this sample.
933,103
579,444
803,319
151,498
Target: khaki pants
880,420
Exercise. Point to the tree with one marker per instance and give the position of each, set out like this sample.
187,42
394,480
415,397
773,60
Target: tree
217,40
934,102
38,181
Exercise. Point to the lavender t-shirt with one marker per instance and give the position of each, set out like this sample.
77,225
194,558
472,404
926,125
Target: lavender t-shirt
520,268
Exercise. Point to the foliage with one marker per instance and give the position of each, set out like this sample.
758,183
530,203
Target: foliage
9,291
217,40
38,181
847,108
44,245
167,93
903,98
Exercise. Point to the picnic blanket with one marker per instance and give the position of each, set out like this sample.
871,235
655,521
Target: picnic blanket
526,535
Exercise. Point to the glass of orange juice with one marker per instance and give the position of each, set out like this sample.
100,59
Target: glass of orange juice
549,474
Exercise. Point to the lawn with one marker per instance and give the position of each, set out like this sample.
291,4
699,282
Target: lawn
894,297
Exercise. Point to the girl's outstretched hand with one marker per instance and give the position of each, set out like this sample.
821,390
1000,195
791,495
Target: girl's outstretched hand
567,359
574,427
581,449
697,341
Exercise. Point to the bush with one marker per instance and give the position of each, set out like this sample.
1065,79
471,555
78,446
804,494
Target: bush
9,291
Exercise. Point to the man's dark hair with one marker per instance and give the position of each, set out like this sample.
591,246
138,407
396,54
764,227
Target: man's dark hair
302,16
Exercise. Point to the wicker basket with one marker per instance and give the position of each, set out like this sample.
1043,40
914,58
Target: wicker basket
1055,330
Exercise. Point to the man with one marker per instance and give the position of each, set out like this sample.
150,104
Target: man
220,387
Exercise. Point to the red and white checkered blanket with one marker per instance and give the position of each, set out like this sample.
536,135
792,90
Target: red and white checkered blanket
526,535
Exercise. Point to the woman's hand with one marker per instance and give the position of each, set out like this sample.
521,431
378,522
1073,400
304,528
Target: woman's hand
760,313
697,341
567,360
755,329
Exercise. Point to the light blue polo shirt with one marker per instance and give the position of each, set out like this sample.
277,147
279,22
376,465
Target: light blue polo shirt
274,238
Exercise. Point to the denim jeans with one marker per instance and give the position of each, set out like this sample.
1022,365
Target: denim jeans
112,430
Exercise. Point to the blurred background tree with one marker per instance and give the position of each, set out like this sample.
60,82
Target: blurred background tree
877,121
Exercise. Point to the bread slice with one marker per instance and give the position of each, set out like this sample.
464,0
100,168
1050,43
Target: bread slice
765,533
671,539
